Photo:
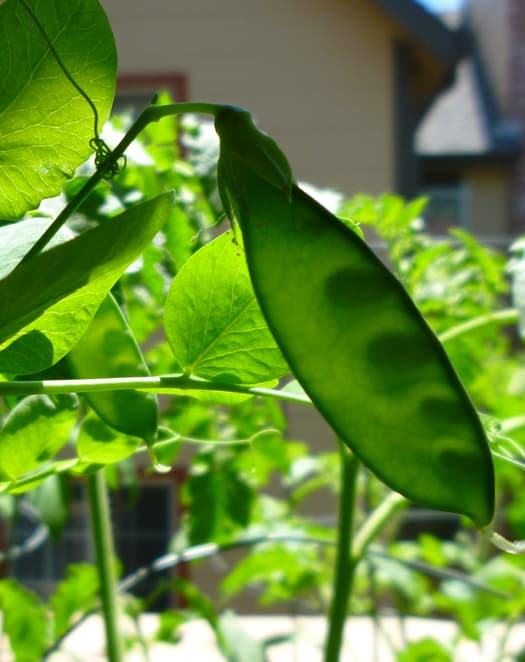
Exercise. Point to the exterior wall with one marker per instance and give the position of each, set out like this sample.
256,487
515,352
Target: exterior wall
486,201
491,22
317,75
500,27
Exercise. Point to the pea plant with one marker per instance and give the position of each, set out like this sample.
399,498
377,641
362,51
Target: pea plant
288,305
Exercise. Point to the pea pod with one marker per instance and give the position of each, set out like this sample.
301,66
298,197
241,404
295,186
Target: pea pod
353,337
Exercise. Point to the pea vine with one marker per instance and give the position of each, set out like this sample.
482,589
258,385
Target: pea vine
242,316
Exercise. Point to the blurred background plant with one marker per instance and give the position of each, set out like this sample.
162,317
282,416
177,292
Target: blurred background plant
246,488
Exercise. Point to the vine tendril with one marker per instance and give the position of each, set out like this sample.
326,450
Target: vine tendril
102,154
102,151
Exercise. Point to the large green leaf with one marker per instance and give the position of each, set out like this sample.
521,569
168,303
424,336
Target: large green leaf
34,431
108,349
48,301
213,322
45,123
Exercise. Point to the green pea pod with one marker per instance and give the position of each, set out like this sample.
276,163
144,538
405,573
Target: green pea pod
356,342
251,149
108,349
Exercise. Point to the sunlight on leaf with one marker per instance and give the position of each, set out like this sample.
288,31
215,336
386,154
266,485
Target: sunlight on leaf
34,431
48,301
45,123
213,322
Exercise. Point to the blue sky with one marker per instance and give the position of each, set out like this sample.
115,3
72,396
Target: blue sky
442,5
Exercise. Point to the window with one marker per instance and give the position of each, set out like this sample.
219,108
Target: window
135,92
144,520
446,206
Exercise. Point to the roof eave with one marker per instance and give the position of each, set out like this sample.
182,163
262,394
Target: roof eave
431,33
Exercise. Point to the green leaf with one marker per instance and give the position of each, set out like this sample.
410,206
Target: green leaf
33,432
237,644
280,572
76,594
108,349
51,499
17,238
168,626
254,149
45,123
213,322
425,650
48,301
221,500
24,621
97,443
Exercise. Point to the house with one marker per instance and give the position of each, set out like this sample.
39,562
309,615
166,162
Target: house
469,143
341,85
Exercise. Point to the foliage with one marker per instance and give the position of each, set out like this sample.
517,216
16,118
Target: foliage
134,299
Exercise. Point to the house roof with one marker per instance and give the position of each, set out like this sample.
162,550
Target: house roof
425,28
456,123
465,122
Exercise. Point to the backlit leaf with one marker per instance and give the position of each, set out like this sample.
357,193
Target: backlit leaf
213,322
33,432
48,301
45,123
97,443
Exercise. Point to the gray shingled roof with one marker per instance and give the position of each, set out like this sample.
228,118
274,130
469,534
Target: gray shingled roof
465,120
456,122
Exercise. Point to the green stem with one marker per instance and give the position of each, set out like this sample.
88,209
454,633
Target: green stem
167,383
148,115
500,318
375,523
161,384
103,539
344,565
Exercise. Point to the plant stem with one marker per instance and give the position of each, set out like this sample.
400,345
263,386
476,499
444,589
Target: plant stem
375,523
149,114
161,384
103,539
345,564
500,318
167,383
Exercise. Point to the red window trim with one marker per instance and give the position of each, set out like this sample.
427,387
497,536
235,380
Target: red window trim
177,84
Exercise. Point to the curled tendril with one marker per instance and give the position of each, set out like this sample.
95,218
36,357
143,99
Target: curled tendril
102,154
102,151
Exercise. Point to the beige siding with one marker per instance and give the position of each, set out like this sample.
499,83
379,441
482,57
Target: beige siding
490,22
487,201
317,75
